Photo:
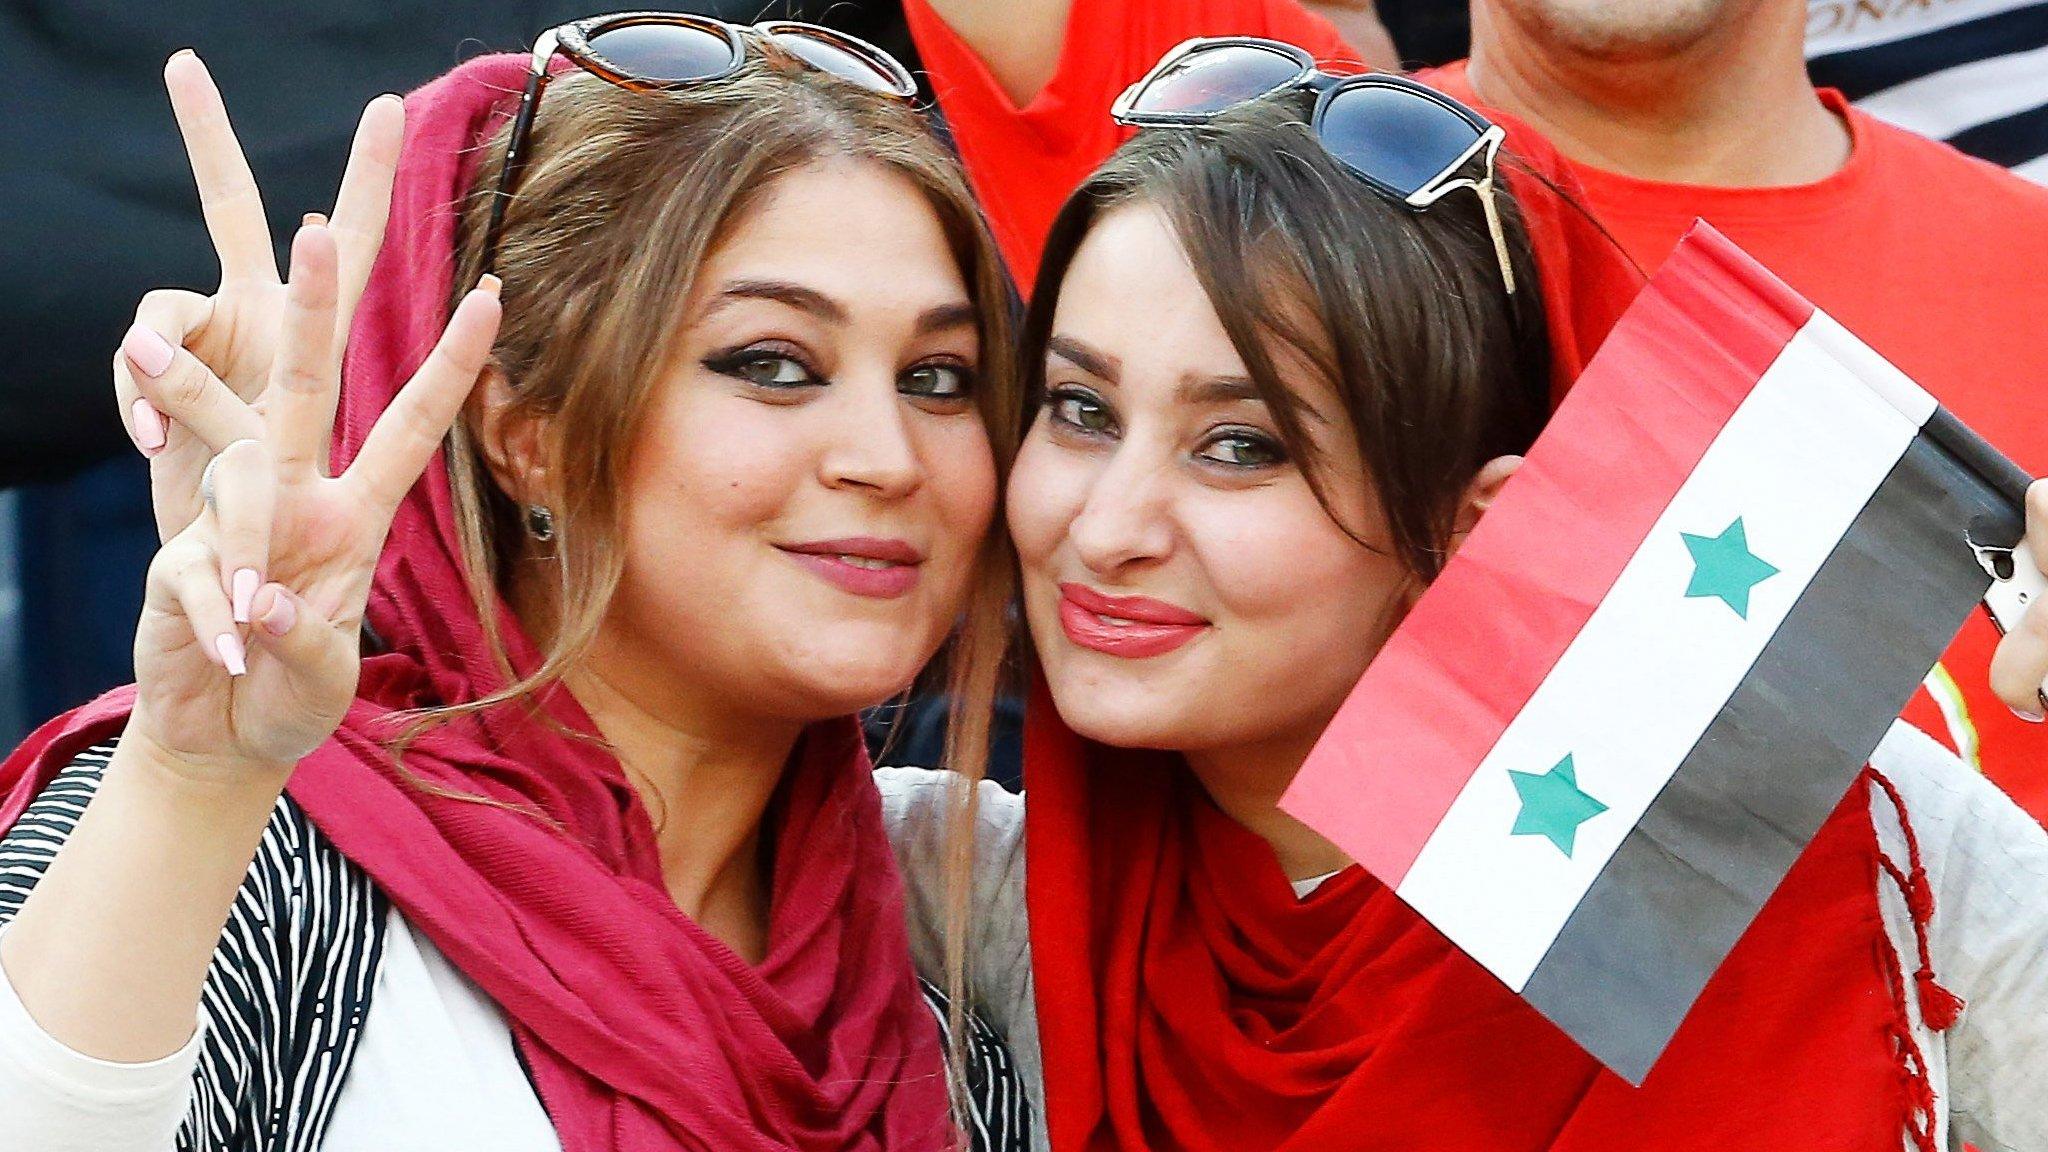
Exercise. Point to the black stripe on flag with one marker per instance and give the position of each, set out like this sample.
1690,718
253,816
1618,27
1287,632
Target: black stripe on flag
1861,72
1691,876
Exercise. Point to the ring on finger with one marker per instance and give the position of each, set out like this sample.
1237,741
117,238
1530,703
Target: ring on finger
206,495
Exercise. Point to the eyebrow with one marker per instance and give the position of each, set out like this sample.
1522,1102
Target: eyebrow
1098,364
939,318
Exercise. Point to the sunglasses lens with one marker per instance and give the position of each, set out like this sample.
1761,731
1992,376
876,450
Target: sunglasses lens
1212,79
664,53
1400,138
842,62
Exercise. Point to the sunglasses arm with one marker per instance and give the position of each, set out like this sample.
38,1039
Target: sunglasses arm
515,146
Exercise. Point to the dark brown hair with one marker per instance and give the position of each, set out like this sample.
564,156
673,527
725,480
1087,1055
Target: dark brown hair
1402,313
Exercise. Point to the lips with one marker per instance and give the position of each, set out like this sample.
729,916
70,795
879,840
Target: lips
861,565
1132,627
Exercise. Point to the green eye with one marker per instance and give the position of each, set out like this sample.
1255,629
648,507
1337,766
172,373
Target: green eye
763,368
1243,450
1082,411
938,381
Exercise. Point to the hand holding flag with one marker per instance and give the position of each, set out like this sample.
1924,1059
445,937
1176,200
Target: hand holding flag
1604,734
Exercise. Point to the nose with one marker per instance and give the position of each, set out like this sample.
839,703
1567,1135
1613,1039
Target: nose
872,445
1125,519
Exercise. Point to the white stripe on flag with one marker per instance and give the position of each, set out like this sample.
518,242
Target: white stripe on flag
1946,102
1796,463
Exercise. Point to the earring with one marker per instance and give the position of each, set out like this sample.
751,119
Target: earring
540,523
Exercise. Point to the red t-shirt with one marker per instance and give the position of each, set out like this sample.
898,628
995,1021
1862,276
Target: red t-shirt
1023,162
1940,262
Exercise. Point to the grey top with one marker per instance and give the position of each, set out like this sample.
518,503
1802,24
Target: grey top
1986,861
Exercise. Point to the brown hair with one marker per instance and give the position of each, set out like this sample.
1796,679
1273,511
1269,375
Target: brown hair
625,195
1402,313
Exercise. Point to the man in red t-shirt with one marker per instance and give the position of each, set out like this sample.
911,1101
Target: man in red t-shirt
1676,109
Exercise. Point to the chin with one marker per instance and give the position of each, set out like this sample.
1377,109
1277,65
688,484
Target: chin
1124,715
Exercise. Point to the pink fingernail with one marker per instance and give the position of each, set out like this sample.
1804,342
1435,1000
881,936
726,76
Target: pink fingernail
281,616
147,425
2029,717
148,351
246,584
232,657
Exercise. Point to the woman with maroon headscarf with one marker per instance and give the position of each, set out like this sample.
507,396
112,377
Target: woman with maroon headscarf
563,833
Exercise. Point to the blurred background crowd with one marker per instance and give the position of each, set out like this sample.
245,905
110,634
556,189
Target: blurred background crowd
97,207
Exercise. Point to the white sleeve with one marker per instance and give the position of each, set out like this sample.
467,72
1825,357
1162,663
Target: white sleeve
54,1099
999,949
1987,866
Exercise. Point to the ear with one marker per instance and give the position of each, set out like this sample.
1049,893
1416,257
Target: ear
510,441
1480,495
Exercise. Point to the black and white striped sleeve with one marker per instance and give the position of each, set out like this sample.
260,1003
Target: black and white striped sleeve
285,998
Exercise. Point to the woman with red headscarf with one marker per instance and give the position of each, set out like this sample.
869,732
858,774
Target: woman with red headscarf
1269,398
539,733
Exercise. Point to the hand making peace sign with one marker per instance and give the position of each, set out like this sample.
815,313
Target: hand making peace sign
248,650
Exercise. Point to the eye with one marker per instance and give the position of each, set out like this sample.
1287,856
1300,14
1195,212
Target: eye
1242,448
938,380
763,367
1080,410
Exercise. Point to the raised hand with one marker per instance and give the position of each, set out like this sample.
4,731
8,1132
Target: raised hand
2019,667
233,333
248,651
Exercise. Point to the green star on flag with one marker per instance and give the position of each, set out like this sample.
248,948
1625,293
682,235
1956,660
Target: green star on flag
1553,805
1725,568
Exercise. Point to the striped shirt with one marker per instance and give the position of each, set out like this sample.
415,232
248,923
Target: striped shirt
290,988
1972,73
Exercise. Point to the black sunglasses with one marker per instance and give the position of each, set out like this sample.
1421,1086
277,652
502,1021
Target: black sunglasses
664,51
1410,143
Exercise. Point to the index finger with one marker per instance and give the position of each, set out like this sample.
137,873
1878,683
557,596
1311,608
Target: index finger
227,189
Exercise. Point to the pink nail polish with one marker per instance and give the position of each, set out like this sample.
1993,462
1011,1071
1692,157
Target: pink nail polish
246,583
281,616
232,656
147,425
149,352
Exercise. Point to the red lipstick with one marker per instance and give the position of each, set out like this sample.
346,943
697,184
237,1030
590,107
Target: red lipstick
861,565
1133,627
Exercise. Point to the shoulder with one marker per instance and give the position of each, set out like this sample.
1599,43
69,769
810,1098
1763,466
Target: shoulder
1989,191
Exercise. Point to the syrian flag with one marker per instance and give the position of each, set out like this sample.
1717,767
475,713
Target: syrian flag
1602,737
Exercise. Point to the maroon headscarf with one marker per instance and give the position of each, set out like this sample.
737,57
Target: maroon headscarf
641,1030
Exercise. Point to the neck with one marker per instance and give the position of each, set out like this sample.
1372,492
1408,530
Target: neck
1733,108
1246,783
706,774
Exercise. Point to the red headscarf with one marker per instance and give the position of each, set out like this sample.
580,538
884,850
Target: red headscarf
1188,1000
641,1030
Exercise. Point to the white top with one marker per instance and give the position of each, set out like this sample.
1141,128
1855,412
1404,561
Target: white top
435,1071
1986,860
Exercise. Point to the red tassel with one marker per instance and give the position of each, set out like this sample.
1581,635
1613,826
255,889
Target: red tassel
1939,1007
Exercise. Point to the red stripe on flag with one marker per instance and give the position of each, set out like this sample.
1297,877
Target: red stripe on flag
1439,695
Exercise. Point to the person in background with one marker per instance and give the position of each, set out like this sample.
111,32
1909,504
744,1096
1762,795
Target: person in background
1970,73
1677,109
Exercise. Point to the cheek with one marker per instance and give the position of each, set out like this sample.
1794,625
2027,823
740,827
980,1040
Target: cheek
1301,602
960,469
685,488
1047,489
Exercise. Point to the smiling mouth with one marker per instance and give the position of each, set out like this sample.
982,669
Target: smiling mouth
1133,628
876,569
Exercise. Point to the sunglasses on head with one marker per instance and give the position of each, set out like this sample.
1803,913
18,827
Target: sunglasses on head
1410,143
665,51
